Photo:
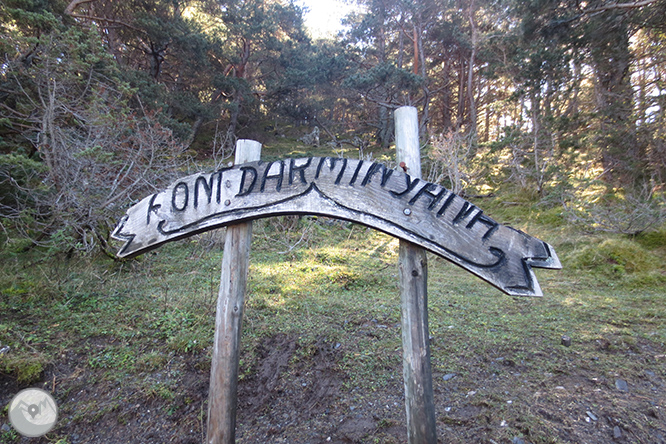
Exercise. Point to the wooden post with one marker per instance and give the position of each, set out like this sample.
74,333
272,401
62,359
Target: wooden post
230,304
413,269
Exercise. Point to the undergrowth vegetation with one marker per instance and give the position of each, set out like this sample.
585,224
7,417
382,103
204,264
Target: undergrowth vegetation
140,332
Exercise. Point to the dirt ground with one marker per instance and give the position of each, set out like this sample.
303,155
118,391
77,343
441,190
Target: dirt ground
288,400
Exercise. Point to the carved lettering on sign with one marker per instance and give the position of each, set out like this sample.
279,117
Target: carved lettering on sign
369,193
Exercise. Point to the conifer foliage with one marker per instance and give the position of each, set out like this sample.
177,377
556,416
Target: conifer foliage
101,101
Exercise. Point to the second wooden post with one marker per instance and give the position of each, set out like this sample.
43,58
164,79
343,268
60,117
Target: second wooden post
413,270
230,305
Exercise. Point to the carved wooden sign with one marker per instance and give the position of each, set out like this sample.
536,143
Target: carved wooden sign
369,193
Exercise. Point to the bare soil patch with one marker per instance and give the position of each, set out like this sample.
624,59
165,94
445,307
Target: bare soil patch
297,396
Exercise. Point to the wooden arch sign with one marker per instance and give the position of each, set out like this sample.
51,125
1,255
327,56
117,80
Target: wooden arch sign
369,193
422,214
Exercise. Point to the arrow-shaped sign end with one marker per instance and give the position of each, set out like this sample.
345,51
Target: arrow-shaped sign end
547,258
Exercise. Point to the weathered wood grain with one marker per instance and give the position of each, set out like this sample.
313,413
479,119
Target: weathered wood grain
413,273
369,193
222,394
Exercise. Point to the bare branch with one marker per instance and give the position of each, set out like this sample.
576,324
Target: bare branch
75,4
106,20
612,6
70,10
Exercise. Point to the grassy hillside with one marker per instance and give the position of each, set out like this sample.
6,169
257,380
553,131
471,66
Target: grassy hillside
125,346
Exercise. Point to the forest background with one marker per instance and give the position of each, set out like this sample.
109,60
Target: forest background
102,102
547,114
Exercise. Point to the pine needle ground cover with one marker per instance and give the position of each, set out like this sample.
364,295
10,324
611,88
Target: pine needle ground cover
125,347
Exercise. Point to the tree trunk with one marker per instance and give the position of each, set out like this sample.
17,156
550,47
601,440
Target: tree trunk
623,158
488,113
470,73
416,52
196,126
401,48
385,132
427,97
445,97
535,141
230,140
461,92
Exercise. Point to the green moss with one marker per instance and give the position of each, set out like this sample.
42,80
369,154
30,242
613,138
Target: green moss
614,257
113,358
553,217
647,280
331,257
27,369
653,240
150,362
